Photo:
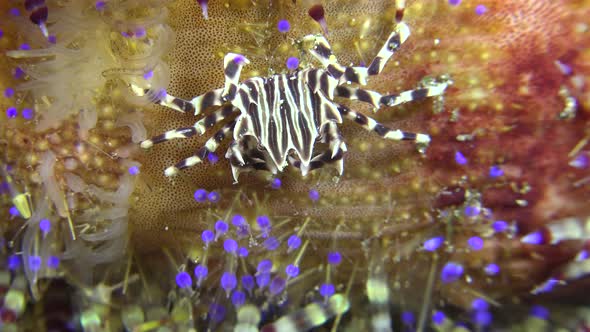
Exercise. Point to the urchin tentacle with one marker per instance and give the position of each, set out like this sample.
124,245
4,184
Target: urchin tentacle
210,146
371,124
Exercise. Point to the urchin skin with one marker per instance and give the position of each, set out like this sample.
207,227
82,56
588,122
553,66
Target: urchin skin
437,170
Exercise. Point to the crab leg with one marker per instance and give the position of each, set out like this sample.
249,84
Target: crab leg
371,124
435,88
198,128
210,146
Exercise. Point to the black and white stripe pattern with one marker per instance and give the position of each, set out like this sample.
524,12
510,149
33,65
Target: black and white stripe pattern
281,117
394,41
285,112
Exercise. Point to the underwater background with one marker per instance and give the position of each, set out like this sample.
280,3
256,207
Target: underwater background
485,229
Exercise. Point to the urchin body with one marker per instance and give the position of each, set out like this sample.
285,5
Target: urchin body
281,117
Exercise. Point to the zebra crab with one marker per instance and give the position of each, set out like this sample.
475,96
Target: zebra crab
281,117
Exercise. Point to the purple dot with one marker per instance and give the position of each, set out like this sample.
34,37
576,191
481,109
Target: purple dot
11,112
25,47
200,195
262,280
238,220
451,272
438,317
99,5
243,230
284,26
293,242
248,282
18,72
292,63
183,280
148,74
276,285
14,12
334,258
53,262
201,272
264,266
216,312
492,269
580,162
13,262
408,318
230,246
221,227
454,2
460,158
292,271
45,226
228,281
238,298
239,59
133,170
275,183
471,211
327,290
213,197
139,32
4,187
314,195
28,113
480,9
243,252
539,312
476,243
126,34
34,263
212,157
52,39
13,211
496,172
208,236
9,92
479,304
499,226
272,243
534,238
1,33
482,318
433,243
547,286
263,222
